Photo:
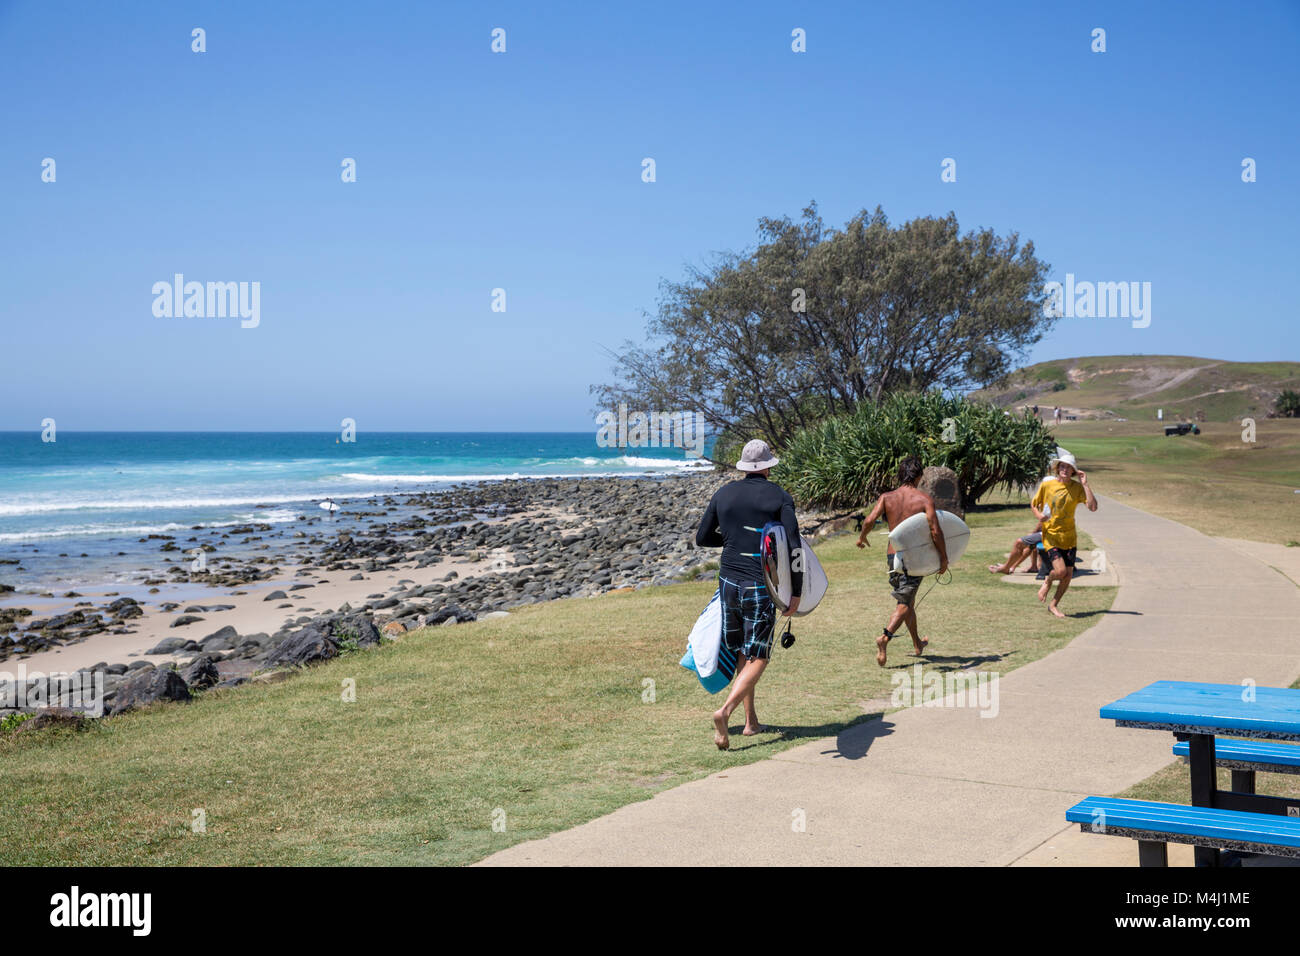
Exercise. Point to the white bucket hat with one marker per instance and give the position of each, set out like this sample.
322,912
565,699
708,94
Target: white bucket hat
757,456
1061,456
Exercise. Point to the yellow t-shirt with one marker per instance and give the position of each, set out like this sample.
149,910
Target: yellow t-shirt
1062,497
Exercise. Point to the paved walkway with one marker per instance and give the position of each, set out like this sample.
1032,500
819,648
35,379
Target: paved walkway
982,791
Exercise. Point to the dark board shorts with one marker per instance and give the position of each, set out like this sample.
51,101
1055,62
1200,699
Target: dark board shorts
748,618
1065,554
903,585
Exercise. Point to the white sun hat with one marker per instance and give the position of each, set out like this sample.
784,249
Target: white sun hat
757,456
1061,456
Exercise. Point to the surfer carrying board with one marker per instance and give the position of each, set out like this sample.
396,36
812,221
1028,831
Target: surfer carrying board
734,521
897,506
1062,492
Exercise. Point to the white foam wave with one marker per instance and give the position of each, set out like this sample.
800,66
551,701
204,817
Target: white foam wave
89,530
690,464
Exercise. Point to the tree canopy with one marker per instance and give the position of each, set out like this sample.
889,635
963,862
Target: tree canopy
815,320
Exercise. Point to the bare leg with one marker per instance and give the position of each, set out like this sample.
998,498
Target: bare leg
918,645
743,686
752,726
1019,551
882,642
1066,575
1061,574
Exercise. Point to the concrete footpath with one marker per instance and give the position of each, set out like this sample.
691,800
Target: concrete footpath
982,791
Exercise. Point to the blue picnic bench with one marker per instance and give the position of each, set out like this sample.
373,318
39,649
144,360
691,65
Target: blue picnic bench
1156,825
1237,819
1245,757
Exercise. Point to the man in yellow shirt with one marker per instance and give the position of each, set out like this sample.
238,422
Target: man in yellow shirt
1064,491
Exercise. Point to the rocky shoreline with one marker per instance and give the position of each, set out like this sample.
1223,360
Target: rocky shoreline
515,542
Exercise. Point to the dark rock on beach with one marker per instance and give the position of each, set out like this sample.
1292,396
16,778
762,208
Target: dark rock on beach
148,687
305,647
201,672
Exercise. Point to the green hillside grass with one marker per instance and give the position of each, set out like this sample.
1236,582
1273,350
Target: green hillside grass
1118,385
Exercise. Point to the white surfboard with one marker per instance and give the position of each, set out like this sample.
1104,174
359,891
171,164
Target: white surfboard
775,558
329,506
911,539
706,654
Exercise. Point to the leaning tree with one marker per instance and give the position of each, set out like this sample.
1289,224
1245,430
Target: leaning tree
815,320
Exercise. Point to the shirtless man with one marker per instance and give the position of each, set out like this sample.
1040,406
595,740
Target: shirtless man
897,506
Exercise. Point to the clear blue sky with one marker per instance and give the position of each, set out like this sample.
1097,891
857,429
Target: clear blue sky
523,171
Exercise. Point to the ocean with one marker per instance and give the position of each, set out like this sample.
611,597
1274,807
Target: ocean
73,510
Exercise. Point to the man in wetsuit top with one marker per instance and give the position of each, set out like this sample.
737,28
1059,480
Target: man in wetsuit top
734,521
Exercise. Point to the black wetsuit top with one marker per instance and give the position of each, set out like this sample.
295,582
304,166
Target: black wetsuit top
733,520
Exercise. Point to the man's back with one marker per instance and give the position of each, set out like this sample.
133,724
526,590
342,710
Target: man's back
734,518
903,502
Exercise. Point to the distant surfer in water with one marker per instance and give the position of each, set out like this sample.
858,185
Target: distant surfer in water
897,506
1064,491
733,521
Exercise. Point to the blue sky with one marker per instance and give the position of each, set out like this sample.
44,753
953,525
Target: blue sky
523,171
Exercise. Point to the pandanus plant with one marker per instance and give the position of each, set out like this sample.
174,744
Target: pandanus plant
844,461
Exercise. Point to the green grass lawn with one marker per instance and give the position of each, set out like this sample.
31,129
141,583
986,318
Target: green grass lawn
543,717
1213,482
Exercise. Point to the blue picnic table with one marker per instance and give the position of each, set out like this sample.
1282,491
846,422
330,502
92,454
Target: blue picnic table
1194,713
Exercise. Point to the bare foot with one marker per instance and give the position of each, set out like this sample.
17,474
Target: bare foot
757,729
1055,610
997,569
919,647
720,730
1042,592
882,642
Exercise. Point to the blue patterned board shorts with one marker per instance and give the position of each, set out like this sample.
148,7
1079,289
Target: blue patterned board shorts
748,618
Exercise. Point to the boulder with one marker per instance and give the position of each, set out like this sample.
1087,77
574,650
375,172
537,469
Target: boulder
201,672
357,627
943,486
168,645
148,687
452,612
221,640
54,717
305,647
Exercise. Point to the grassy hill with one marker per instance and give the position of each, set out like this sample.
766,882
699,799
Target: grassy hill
1135,386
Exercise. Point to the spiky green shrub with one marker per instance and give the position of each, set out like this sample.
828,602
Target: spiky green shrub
845,461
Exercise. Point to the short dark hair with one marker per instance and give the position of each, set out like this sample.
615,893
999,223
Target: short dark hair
909,470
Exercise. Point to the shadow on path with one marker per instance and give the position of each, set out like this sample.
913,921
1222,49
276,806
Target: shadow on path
854,742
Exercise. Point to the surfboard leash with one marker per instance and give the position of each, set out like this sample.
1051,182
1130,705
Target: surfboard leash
937,580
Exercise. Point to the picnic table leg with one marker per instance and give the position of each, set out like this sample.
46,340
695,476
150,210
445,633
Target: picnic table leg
1153,853
1205,785
1243,781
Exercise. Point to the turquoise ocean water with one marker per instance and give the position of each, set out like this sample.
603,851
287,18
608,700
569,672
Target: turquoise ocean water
97,493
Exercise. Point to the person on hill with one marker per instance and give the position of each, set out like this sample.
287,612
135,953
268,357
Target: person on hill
1062,492
1056,415
897,506
734,521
